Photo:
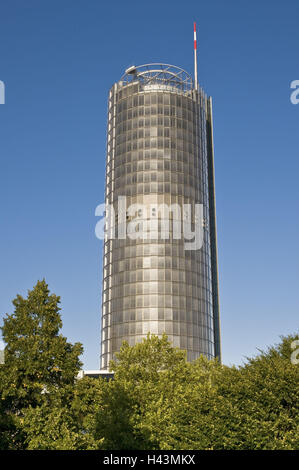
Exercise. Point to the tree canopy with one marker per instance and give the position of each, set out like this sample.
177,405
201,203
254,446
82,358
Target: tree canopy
38,359
157,400
160,401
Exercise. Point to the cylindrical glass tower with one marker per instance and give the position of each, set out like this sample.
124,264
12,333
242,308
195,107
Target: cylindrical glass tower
160,152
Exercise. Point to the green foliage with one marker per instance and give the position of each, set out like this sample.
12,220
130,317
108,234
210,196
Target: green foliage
37,359
137,382
157,400
66,421
263,398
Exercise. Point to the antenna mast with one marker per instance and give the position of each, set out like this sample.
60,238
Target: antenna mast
195,59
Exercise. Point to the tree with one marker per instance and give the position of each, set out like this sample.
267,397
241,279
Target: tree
137,403
38,359
262,401
159,401
66,420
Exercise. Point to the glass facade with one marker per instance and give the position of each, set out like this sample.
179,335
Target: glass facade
160,151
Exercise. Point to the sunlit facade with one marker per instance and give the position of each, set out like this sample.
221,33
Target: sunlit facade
160,151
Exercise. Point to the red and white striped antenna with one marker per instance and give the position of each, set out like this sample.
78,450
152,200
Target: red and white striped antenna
195,59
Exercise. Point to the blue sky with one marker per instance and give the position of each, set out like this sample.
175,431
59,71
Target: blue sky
58,60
